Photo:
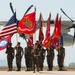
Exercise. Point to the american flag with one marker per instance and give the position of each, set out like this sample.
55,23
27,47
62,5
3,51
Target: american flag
10,27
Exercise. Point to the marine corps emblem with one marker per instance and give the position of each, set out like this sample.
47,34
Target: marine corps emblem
27,23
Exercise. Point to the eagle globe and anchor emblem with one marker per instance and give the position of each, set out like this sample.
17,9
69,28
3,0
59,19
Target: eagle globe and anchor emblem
27,23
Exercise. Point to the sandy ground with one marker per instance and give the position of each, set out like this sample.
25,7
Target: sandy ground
70,71
38,73
45,68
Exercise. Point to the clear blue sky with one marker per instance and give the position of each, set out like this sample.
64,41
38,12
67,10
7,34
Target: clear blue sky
45,7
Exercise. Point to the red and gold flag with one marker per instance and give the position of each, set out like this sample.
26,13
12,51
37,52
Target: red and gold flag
57,31
27,24
30,40
41,35
47,41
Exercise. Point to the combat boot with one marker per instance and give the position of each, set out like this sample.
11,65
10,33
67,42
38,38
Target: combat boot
34,71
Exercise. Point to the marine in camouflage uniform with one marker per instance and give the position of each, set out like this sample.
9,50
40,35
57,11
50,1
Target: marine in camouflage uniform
10,56
60,57
35,57
50,58
19,54
42,56
27,55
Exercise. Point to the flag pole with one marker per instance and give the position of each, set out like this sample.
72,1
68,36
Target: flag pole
16,33
16,37
17,20
59,37
28,10
11,8
23,35
34,35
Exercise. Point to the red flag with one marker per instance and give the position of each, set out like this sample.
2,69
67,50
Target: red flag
57,31
27,24
47,41
48,26
41,35
30,40
4,42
